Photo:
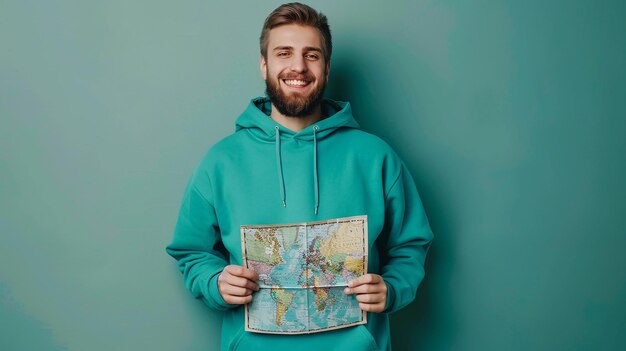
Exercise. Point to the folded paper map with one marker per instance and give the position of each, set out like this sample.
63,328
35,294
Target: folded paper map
303,269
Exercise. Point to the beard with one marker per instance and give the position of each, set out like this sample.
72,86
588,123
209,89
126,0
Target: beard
295,104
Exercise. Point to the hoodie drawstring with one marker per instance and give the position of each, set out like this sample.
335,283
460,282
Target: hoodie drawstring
315,182
279,165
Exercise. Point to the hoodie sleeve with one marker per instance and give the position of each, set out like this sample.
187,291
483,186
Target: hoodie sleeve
408,237
196,243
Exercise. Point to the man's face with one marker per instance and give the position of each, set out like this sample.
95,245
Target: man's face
295,71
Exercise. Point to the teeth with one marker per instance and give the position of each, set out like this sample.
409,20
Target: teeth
296,82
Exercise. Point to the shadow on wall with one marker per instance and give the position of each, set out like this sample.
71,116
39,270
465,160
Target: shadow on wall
391,111
34,335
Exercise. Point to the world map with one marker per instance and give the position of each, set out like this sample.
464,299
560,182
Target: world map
303,269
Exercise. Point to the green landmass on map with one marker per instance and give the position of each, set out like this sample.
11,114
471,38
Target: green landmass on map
303,269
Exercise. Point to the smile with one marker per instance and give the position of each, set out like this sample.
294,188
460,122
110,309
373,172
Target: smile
296,82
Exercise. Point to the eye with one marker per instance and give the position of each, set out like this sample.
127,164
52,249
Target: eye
312,57
282,54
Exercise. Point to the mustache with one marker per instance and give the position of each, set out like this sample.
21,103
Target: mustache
307,77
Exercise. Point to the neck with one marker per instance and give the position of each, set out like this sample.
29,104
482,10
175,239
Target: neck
296,123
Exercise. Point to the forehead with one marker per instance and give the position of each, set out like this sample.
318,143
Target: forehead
294,35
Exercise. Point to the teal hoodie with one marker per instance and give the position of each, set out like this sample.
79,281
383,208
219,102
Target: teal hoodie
265,173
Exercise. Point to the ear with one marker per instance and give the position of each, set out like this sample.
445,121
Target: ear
263,66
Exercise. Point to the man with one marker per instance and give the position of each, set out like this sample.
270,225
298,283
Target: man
296,157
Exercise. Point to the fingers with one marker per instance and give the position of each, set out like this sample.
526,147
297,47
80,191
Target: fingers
371,292
234,295
366,284
240,276
366,279
237,300
240,271
236,291
367,289
368,307
371,298
238,281
236,284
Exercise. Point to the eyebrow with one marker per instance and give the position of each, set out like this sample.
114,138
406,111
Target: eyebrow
306,48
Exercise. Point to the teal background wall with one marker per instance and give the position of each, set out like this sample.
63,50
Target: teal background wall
511,116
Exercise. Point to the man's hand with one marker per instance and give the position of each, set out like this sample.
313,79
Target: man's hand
236,284
371,292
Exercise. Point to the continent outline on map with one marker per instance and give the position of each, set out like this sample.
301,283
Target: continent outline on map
314,259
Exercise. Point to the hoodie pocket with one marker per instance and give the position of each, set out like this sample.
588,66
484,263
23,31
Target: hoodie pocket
356,338
368,336
234,342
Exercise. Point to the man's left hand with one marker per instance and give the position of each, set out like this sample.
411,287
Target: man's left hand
371,292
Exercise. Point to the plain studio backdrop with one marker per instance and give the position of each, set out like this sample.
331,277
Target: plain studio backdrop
511,116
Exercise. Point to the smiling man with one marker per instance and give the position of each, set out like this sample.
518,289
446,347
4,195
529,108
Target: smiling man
295,71
296,157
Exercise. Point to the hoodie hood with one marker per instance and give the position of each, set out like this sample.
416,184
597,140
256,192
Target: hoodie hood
256,120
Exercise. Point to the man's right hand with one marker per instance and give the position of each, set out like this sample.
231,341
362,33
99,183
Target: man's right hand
236,284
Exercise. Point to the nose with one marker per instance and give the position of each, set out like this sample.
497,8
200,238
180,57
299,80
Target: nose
298,64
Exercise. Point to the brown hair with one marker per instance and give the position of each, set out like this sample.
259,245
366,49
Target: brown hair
297,13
